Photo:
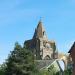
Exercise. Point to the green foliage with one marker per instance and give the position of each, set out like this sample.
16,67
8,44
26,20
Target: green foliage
68,72
51,70
46,72
20,62
2,69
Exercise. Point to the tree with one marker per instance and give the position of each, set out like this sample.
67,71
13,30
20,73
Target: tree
2,69
20,62
68,72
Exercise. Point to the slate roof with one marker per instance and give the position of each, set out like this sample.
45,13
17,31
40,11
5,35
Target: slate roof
43,63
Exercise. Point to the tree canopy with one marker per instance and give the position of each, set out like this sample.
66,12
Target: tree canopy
20,62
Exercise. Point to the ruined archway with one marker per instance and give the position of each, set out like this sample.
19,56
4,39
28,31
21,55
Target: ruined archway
47,57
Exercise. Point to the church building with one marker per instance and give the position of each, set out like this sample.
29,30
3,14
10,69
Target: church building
41,47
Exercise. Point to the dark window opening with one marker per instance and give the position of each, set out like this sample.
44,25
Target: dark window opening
44,33
47,57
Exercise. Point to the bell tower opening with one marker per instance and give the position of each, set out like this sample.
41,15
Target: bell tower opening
43,33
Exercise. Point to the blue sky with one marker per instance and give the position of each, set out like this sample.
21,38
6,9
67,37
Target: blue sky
18,19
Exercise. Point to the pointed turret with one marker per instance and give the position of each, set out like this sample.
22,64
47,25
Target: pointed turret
40,31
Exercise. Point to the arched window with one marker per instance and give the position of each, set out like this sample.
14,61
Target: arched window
43,33
47,57
48,45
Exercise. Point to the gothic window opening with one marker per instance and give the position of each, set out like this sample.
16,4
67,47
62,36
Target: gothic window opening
47,57
43,33
48,45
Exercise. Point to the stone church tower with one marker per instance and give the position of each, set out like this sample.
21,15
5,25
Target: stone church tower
40,45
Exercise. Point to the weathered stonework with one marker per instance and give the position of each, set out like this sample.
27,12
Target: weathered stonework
40,45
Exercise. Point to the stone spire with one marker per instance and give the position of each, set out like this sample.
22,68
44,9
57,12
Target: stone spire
40,31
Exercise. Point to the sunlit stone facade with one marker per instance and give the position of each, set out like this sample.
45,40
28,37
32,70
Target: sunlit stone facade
41,47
